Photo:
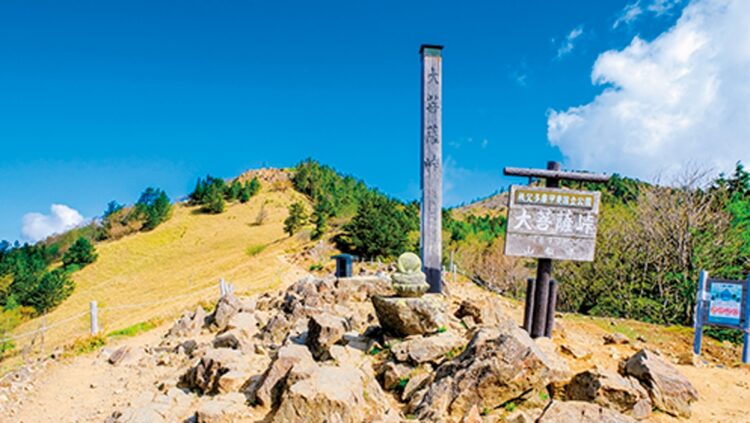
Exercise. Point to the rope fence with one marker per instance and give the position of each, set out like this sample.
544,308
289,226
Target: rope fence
94,312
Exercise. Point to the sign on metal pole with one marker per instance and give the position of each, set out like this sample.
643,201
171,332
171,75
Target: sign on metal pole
723,303
552,223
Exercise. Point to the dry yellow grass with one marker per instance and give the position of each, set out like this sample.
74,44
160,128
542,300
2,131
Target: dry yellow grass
158,274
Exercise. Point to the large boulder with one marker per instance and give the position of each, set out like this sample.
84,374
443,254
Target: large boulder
189,324
486,311
428,349
610,390
497,366
581,412
410,316
226,308
266,392
333,394
323,331
670,391
225,408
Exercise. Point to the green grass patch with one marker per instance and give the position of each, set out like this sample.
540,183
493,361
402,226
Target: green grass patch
133,330
86,345
254,250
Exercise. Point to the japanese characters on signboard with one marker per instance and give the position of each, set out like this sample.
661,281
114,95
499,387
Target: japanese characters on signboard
725,302
552,223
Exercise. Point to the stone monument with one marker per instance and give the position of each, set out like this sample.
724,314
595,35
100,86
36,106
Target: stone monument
409,280
410,311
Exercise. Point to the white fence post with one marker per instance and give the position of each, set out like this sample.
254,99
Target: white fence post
93,311
222,287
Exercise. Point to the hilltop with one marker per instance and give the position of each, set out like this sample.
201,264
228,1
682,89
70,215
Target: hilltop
146,277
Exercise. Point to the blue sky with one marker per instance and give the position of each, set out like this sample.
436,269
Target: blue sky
100,99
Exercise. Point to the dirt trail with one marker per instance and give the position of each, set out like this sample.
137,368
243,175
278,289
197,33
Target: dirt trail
87,388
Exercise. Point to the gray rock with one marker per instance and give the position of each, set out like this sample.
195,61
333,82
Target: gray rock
610,390
221,409
410,316
616,338
392,374
497,366
428,349
189,324
226,308
267,391
670,391
323,331
205,376
582,412
415,383
333,394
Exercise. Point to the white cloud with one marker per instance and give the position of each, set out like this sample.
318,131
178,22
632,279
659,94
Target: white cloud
632,11
569,42
680,98
629,14
37,226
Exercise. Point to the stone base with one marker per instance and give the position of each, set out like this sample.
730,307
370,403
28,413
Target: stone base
410,316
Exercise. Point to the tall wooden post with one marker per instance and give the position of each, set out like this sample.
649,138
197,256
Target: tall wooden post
432,175
94,317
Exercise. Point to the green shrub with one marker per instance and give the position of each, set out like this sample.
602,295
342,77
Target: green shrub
81,253
254,250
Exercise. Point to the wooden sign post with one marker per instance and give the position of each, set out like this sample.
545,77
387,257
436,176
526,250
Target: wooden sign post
723,303
432,166
550,223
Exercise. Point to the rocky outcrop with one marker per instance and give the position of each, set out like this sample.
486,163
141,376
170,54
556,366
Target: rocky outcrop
410,316
226,308
323,331
189,324
610,390
266,392
219,371
582,412
428,349
670,391
497,366
333,394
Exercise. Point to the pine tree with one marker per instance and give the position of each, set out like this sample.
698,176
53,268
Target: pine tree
296,219
234,191
214,201
81,253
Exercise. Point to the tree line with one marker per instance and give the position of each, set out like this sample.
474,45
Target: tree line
213,193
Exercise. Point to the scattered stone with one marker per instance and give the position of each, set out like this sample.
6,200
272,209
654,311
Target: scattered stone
576,351
357,341
582,412
205,377
689,358
226,308
497,366
415,383
267,390
119,355
616,338
244,322
333,394
669,390
428,349
187,347
559,369
484,312
410,316
190,324
473,415
323,331
221,409
392,374
610,390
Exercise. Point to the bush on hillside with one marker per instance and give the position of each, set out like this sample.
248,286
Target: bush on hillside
296,220
212,192
81,253
153,208
380,229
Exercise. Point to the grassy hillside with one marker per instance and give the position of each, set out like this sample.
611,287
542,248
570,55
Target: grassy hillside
153,275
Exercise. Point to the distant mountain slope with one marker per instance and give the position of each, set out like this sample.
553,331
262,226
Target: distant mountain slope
157,274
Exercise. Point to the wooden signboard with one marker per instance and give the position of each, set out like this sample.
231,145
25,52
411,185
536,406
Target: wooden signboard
552,223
